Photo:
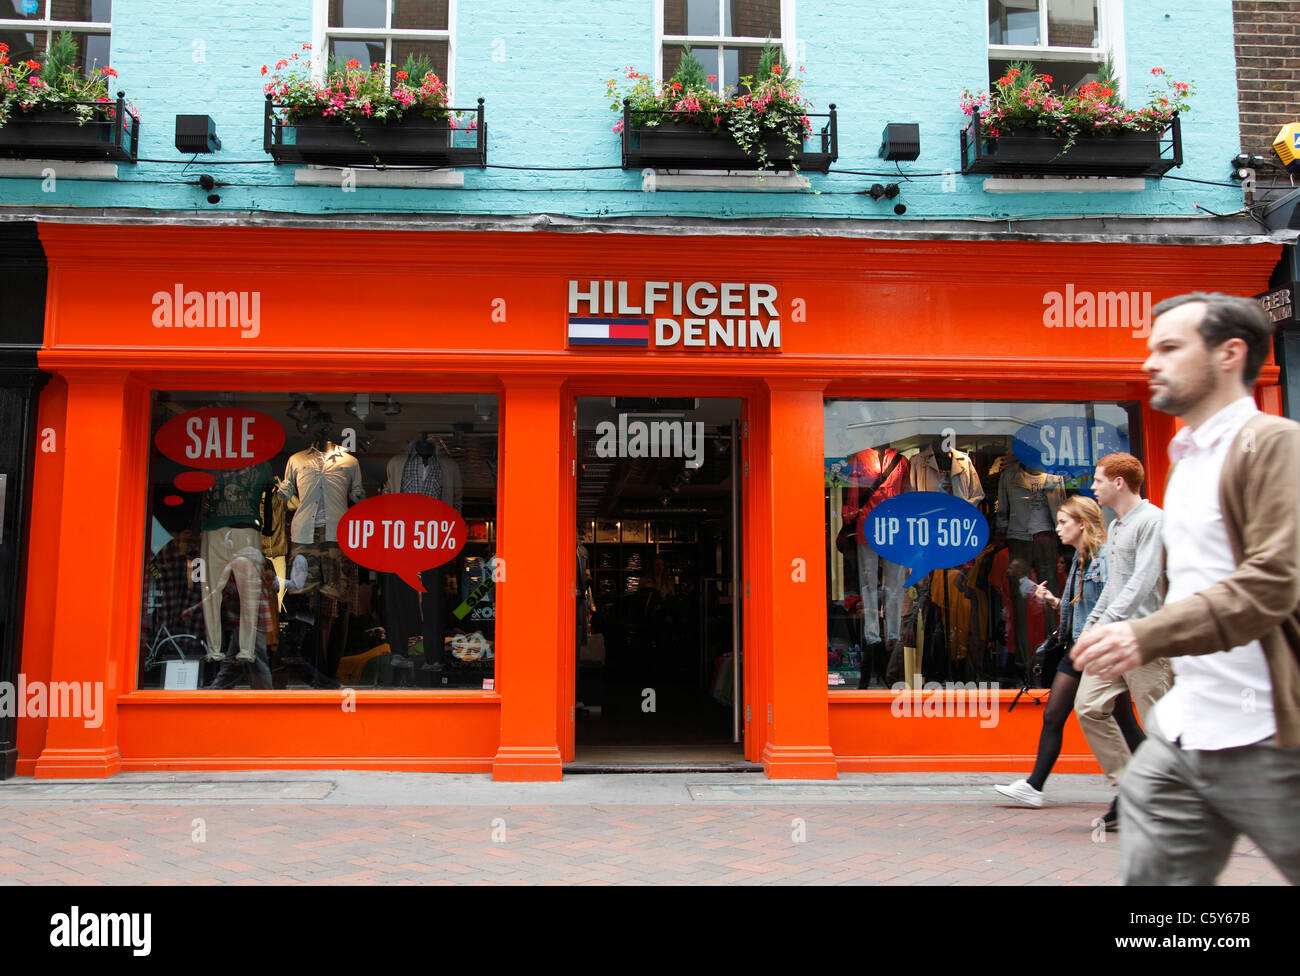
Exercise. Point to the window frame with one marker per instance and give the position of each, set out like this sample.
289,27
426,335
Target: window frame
200,396
1110,30
52,27
718,42
322,33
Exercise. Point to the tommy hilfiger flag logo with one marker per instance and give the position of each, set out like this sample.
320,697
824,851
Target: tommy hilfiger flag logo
608,331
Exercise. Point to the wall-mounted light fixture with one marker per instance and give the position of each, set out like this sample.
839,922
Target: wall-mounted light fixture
901,141
196,134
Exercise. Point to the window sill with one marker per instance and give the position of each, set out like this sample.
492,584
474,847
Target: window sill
771,182
437,179
66,169
1060,184
328,697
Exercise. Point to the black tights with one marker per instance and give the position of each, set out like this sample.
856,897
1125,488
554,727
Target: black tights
1059,706
1127,722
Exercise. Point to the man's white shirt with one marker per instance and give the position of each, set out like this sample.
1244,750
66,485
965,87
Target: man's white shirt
1224,699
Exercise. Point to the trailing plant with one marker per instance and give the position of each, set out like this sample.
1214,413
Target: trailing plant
60,84
1024,99
353,92
770,102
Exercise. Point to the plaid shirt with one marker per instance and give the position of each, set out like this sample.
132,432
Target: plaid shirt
170,590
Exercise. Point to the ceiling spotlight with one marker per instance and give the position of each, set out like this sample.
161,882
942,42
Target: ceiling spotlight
302,409
358,407
391,407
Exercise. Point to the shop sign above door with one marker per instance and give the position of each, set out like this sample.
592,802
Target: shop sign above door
1279,305
674,315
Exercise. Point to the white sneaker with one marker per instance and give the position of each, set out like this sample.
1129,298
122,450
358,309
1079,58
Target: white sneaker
1022,791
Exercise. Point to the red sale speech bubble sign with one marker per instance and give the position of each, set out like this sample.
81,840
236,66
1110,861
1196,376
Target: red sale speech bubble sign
403,534
220,438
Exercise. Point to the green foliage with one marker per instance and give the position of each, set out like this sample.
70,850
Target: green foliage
773,57
1025,99
61,59
690,73
58,84
772,105
1107,78
417,66
352,91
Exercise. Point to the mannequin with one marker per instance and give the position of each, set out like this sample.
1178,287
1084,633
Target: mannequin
275,533
1027,504
424,469
875,476
951,472
326,480
231,548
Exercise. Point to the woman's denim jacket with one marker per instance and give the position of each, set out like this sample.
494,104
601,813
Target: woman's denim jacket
1094,581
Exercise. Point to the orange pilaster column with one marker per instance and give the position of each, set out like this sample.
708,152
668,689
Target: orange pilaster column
794,596
100,512
530,597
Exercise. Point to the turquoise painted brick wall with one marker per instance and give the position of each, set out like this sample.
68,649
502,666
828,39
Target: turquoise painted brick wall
541,65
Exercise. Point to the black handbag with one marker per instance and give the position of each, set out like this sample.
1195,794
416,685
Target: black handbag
1047,656
846,538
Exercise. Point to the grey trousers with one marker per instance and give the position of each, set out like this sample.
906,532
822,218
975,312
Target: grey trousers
1181,810
891,584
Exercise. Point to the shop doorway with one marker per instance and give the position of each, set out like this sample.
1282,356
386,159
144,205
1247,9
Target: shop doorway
658,661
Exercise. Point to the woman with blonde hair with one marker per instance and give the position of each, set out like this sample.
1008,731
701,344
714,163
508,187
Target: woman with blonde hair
1079,525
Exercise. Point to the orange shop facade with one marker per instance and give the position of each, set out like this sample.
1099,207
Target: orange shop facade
688,416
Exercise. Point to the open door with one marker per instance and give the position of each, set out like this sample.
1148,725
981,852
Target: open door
658,658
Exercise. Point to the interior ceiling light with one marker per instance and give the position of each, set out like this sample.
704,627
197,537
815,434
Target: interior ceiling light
358,406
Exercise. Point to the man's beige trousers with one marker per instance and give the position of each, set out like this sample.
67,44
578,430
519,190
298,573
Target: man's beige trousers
1095,705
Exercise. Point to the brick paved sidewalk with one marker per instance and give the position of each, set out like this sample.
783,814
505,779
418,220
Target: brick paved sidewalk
311,828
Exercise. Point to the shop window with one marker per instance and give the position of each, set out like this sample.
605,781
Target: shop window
1068,39
726,35
288,532
939,588
410,34
27,26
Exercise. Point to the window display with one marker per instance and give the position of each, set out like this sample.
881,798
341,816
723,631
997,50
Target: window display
926,588
261,571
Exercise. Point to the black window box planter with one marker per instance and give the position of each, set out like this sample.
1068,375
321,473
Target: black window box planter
674,144
406,142
1033,152
47,134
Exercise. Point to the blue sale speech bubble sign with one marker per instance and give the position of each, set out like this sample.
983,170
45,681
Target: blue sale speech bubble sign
1067,445
925,530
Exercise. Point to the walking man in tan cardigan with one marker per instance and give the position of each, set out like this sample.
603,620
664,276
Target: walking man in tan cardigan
1222,755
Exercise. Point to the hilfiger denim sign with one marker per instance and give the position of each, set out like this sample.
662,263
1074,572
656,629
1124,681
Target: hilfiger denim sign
674,315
